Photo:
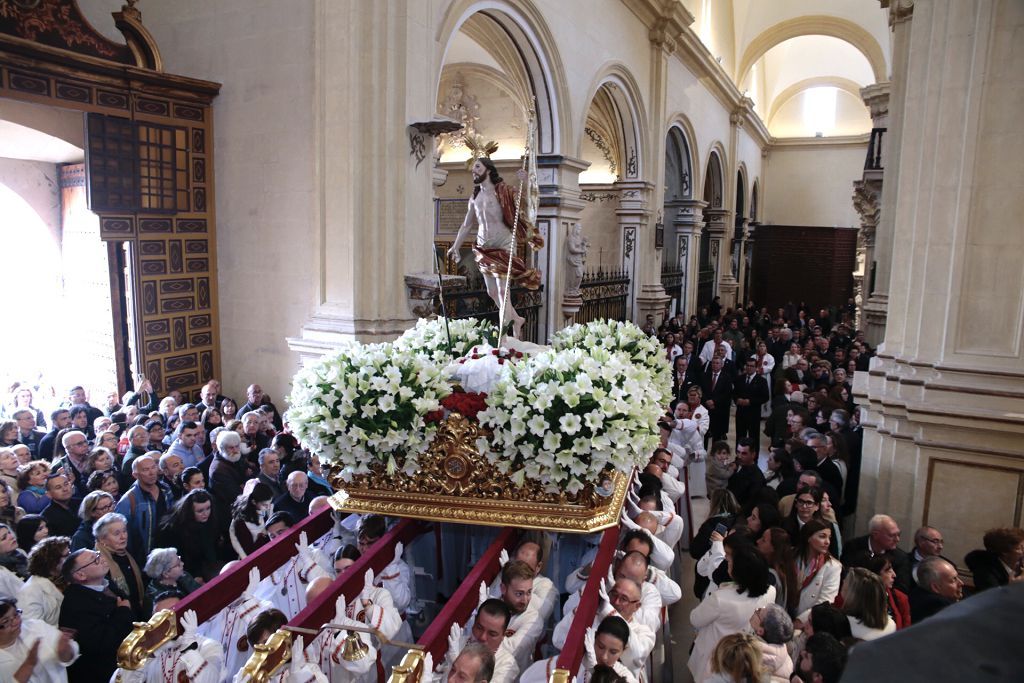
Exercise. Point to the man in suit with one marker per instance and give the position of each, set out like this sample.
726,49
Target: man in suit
939,586
749,392
747,480
826,467
927,543
882,539
717,390
100,619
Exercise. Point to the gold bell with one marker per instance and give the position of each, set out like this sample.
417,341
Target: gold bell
354,648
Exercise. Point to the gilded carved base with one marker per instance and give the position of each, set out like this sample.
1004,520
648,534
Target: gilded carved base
456,483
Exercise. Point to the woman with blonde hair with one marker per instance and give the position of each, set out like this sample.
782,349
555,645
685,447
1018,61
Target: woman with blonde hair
736,659
865,604
9,467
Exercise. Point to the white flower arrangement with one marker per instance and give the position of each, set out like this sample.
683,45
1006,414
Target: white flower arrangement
624,337
563,417
365,404
430,337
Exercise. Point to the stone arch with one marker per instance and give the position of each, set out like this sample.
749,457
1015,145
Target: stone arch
620,88
525,28
680,144
741,192
715,185
821,25
755,200
844,84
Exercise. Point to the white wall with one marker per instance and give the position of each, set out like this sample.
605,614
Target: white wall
261,51
812,184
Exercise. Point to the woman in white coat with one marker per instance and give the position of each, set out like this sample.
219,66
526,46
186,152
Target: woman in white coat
728,610
818,573
40,598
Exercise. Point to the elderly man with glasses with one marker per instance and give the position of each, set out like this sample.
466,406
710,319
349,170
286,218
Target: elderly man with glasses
99,619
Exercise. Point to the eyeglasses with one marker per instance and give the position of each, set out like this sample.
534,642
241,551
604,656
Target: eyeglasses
936,541
107,507
95,560
803,502
11,620
78,443
618,597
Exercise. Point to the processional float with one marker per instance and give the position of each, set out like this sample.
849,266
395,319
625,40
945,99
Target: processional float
454,422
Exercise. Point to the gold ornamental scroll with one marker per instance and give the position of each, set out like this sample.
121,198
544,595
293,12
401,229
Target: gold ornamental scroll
146,638
456,483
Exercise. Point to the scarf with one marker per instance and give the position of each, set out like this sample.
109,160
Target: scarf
118,578
38,490
811,570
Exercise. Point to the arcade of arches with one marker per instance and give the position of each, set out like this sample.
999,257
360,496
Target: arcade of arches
699,146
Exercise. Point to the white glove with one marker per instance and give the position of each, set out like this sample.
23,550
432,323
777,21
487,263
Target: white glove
428,668
455,642
628,523
189,626
340,610
603,591
298,657
254,583
631,508
305,552
503,558
399,549
483,594
589,658
663,516
367,585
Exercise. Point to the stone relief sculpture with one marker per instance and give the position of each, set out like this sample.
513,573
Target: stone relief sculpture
576,246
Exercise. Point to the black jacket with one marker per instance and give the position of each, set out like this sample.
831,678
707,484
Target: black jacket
61,521
745,483
899,559
988,571
924,603
101,627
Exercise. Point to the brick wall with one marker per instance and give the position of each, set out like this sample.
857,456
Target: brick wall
803,263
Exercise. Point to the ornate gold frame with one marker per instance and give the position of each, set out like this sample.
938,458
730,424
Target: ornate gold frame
146,638
455,483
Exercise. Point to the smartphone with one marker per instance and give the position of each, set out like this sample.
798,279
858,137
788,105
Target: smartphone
720,529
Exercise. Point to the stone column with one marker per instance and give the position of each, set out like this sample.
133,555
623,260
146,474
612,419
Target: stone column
688,224
372,198
560,208
718,249
867,195
638,251
944,403
877,305
740,255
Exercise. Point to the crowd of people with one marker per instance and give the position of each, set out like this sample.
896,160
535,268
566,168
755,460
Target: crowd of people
117,512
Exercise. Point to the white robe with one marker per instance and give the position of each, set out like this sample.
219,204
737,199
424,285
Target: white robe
49,669
202,664
40,599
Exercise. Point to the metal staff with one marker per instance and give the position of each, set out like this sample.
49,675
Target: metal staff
444,309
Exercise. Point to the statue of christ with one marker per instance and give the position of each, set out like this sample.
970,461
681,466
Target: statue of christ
492,209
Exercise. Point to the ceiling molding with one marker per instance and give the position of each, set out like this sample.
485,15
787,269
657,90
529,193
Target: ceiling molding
844,84
817,25
816,143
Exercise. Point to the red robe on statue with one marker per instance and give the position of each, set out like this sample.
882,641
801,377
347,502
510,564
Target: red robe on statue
496,261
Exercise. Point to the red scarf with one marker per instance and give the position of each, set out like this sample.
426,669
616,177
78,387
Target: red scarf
816,564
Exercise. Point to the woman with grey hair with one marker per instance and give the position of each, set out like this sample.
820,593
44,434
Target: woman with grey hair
111,533
774,630
166,572
94,505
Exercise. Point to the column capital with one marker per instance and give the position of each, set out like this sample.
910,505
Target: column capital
876,97
899,10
